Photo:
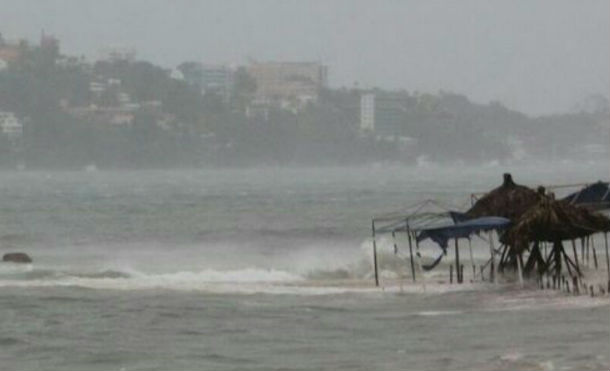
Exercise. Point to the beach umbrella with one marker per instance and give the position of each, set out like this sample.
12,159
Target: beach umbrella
554,221
551,221
510,200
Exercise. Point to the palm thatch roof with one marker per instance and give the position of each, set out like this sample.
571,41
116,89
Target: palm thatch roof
509,201
550,220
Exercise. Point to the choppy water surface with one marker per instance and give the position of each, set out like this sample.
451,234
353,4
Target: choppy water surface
263,269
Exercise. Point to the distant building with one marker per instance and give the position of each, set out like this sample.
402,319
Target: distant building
217,78
117,54
10,125
119,116
176,74
288,83
383,113
96,87
210,78
10,52
49,42
73,62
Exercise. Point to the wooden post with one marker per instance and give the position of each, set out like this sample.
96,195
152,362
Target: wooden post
588,249
421,269
575,255
375,256
607,259
502,256
474,268
450,273
520,270
457,262
558,247
410,250
492,273
593,250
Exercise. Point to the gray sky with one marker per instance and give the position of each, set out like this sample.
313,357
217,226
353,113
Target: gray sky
535,56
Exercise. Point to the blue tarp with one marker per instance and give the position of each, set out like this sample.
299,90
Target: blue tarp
441,235
596,193
458,217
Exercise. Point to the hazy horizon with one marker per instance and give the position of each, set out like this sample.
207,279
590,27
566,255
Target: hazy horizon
159,211
537,58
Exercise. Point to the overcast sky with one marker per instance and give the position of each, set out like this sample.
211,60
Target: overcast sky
534,56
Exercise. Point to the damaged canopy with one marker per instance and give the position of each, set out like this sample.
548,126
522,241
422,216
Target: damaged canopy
441,235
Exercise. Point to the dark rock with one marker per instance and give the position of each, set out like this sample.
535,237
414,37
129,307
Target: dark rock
16,257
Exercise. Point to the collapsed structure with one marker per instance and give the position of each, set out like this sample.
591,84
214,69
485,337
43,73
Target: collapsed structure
525,221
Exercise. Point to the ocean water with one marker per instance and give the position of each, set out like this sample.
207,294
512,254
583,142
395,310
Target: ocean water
267,269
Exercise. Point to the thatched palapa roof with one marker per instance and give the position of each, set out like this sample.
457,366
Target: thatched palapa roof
550,220
509,201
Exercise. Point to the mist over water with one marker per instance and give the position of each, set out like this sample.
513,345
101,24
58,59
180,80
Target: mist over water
264,224
195,182
250,268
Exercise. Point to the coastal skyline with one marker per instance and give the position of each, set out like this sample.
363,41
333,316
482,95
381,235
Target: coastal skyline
531,57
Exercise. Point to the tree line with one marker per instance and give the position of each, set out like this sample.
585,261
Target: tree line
207,130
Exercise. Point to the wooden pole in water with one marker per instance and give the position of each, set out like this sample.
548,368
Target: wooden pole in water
457,261
375,256
502,256
520,270
474,268
396,253
421,269
451,274
587,248
410,250
558,246
492,273
575,285
607,259
575,255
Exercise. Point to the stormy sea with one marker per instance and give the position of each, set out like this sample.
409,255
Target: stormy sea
267,269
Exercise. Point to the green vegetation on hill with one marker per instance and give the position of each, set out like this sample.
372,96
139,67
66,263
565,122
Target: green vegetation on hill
67,124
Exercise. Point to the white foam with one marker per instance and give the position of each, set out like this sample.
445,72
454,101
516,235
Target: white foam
176,281
12,268
434,313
